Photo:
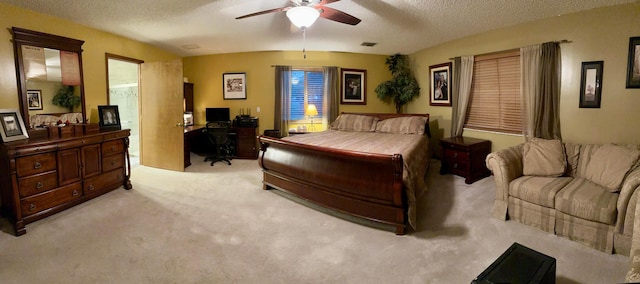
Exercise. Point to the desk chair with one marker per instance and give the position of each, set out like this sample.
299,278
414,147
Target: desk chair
219,148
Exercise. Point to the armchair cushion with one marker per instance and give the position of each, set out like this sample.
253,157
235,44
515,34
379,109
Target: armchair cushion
609,165
584,199
543,157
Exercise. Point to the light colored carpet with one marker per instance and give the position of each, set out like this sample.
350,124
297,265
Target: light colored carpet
217,225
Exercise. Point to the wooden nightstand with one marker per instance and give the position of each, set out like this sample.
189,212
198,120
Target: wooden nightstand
465,157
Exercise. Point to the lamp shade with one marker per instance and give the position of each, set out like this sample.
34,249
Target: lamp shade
303,16
311,110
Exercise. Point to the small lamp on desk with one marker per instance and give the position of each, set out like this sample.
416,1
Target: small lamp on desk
311,111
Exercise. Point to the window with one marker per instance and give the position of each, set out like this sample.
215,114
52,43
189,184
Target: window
307,87
495,101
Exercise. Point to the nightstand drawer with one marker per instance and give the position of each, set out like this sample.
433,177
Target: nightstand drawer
465,156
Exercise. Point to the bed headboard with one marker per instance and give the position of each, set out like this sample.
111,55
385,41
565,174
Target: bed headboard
383,116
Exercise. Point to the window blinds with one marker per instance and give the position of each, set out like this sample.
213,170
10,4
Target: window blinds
495,102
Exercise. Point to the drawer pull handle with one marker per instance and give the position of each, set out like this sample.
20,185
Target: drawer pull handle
39,185
75,193
119,176
113,148
91,187
113,162
455,165
37,165
32,207
455,155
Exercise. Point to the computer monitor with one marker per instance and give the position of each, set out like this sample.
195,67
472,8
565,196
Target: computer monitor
218,114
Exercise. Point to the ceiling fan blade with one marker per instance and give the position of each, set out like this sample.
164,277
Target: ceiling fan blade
325,2
338,16
263,12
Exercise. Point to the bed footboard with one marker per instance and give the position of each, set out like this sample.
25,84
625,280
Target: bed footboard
360,184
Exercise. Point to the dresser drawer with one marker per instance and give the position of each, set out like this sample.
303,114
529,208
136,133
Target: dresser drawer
112,162
79,142
31,165
103,181
50,199
456,160
38,183
112,147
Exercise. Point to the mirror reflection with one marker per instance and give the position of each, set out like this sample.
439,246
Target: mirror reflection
52,80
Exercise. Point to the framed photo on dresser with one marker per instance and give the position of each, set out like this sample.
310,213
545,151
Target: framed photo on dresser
12,126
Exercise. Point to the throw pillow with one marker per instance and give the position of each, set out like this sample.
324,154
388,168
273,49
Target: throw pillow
609,165
402,125
542,157
354,122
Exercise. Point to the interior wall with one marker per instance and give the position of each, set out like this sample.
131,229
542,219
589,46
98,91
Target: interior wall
97,43
206,74
598,34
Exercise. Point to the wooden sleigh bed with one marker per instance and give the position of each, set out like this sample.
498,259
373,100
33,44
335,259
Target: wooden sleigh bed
366,184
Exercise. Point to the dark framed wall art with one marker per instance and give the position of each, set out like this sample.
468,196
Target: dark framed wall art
591,84
440,90
234,86
34,99
353,86
633,67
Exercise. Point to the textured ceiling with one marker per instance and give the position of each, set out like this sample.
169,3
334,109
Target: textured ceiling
404,26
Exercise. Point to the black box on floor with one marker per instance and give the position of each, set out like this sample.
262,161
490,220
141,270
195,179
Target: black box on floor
519,264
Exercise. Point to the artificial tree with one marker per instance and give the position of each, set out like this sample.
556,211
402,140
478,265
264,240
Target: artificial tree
65,97
403,87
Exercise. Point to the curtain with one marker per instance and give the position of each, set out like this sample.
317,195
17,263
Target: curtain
283,95
332,92
530,60
462,78
547,120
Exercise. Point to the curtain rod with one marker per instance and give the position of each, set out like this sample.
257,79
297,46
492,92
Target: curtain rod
560,42
305,66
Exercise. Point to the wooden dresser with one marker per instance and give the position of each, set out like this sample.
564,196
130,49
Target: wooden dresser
465,157
40,177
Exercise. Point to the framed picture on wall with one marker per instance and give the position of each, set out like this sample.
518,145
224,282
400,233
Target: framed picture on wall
34,99
633,68
440,90
353,86
234,86
12,125
591,84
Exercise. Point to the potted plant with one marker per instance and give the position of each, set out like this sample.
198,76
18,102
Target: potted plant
65,97
403,87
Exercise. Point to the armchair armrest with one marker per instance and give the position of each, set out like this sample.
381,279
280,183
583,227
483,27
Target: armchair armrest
625,206
506,165
633,274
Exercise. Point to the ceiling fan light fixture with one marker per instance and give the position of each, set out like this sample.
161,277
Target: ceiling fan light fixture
303,16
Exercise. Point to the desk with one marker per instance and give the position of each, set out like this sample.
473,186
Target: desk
244,139
191,135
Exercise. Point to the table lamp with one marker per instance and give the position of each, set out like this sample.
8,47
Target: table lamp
311,111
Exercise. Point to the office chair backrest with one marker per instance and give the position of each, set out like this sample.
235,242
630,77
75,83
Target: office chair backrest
218,131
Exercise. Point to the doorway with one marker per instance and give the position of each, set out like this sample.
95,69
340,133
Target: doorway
123,81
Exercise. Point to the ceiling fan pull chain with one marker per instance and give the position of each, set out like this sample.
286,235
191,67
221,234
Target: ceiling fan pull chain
304,42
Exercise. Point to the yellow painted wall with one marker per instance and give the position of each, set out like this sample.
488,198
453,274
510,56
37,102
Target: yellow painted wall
206,74
599,34
97,43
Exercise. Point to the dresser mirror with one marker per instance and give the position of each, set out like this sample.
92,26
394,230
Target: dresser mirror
50,80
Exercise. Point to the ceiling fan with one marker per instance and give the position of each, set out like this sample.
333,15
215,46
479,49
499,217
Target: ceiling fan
303,13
